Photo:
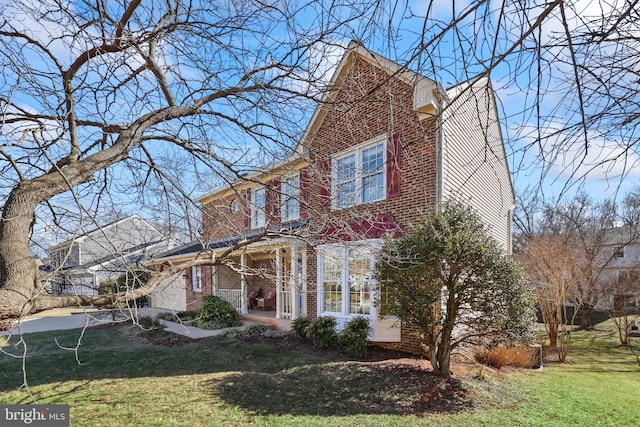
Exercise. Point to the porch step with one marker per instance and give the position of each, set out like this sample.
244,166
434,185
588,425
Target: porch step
278,324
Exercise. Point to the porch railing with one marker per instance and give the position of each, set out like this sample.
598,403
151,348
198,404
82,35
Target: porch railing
233,296
285,299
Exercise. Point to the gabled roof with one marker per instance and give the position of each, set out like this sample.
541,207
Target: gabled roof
100,230
427,95
106,259
226,242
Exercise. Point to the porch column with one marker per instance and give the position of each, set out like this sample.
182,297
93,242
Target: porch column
293,285
278,283
243,283
303,285
214,278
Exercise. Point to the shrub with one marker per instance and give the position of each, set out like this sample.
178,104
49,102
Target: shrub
216,313
299,327
256,330
322,331
186,315
354,336
148,324
501,356
166,315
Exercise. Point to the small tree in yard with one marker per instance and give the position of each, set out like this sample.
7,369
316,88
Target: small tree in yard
455,283
623,292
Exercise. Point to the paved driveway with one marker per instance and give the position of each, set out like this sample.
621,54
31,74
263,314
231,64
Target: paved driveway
94,318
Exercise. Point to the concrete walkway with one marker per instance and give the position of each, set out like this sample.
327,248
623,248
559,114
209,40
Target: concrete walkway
89,319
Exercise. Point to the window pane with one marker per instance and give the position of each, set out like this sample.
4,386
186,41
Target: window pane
258,208
346,168
332,281
359,281
291,195
373,187
372,159
346,194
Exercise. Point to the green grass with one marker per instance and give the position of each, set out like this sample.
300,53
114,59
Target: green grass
127,377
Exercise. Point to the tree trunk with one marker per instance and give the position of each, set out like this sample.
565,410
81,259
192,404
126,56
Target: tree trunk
19,280
585,316
21,291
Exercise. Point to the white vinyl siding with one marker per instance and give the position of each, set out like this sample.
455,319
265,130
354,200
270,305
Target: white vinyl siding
474,164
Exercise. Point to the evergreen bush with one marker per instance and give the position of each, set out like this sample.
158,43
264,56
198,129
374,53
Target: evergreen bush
354,336
322,331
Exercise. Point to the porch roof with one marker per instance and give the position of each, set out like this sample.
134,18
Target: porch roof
291,229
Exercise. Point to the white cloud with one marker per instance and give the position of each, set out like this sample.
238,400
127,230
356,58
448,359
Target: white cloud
560,160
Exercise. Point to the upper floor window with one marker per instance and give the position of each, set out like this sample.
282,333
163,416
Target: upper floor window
234,206
258,207
196,278
618,252
359,175
290,197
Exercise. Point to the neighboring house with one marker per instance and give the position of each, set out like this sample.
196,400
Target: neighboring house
619,278
385,146
80,265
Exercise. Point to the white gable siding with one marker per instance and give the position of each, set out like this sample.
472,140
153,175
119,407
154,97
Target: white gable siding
170,294
117,238
474,165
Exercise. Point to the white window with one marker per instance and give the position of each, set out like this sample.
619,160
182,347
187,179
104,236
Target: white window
258,207
196,278
346,278
359,175
618,252
290,198
235,206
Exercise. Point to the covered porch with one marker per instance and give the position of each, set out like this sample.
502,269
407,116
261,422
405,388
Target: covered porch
266,280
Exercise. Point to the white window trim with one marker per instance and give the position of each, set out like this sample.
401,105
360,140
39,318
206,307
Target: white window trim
196,272
357,150
258,214
344,314
284,195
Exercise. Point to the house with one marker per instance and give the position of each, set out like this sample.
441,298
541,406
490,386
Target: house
619,264
80,265
385,145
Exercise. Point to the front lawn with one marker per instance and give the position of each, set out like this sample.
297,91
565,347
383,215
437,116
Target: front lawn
122,376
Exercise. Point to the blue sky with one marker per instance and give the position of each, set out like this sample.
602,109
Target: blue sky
541,151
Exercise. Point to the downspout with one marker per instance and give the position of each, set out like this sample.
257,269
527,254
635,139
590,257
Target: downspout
442,97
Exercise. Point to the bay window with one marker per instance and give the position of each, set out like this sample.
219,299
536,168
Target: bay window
346,278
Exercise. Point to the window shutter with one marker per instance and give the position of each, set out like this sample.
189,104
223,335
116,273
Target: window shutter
394,174
304,192
272,207
324,175
246,208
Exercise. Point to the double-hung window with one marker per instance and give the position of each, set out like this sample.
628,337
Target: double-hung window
196,278
290,189
258,207
359,174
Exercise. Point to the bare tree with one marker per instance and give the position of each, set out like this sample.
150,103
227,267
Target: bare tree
102,99
624,302
554,266
107,98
